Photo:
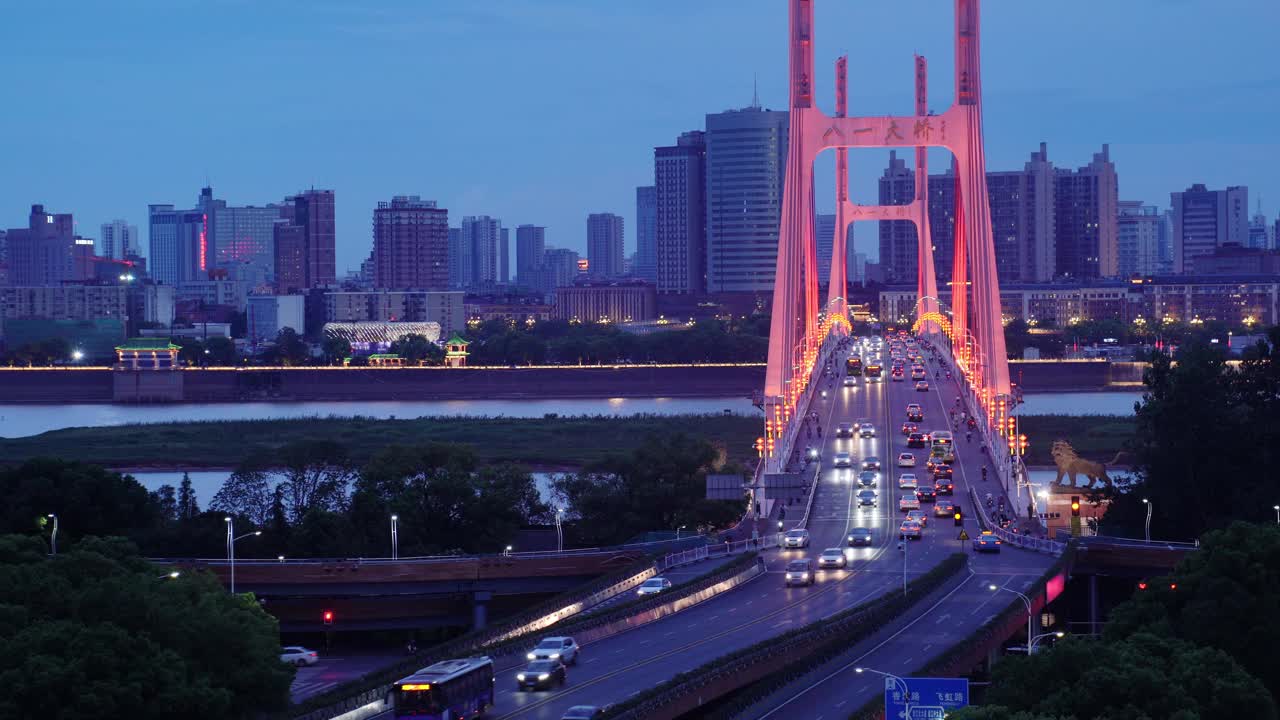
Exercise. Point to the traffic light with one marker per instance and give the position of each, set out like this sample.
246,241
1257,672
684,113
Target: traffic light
959,518
1173,586
328,617
1142,585
1075,506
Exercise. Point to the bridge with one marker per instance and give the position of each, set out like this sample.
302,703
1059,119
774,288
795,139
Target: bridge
805,398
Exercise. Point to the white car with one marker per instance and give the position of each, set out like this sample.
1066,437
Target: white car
653,586
918,516
843,460
908,481
797,538
831,558
298,655
850,382
844,429
563,649
867,430
909,502
906,460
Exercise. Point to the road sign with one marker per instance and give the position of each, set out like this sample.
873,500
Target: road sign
923,698
964,535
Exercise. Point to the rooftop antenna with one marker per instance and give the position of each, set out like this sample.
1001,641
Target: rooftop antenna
755,92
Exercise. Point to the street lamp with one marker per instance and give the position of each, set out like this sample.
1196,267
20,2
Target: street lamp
77,355
395,538
682,527
507,551
1277,509
1149,505
906,692
559,532
231,547
1059,634
1030,614
54,541
169,575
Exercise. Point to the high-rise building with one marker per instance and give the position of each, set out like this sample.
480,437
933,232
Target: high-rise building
480,261
4,258
604,245
1085,219
680,215
857,266
455,258
898,244
1022,220
243,235
290,257
646,256
1259,232
1138,238
180,248
504,256
531,242
825,227
43,252
559,268
746,161
410,245
119,240
1165,266
313,211
1204,220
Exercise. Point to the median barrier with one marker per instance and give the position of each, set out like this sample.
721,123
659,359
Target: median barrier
778,660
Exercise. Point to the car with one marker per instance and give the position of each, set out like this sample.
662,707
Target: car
986,542
909,502
944,486
832,558
926,494
849,381
796,538
906,460
944,508
944,471
915,440
653,586
811,452
868,478
907,481
917,374
298,655
867,498
799,572
871,463
560,648
943,454
909,530
916,415
844,429
859,536
909,427
842,460
867,430
919,516
922,386
541,674
897,375
583,712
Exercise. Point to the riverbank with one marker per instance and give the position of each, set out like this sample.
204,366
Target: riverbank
548,442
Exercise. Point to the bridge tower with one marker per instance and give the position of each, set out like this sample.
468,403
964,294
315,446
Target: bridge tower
838,285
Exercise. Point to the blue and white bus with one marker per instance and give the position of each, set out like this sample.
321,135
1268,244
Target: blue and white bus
447,690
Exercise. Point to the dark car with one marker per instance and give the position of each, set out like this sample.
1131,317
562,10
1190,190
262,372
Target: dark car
986,542
915,415
541,674
859,536
944,487
915,440
926,494
867,478
583,712
942,472
909,428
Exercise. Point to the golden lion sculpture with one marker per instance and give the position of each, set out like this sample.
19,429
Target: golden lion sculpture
1071,465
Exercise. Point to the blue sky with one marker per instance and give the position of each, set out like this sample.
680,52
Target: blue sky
542,111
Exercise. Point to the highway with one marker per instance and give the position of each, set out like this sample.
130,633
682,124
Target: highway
615,668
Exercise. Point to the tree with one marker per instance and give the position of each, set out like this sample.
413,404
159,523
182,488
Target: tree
336,349
86,499
247,493
220,351
188,504
1143,676
316,476
166,500
115,641
290,349
414,347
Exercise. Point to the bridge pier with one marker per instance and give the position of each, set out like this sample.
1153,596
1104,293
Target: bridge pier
480,609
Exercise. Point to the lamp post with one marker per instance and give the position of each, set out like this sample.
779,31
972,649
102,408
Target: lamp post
1277,509
395,537
559,532
231,548
1038,638
682,527
1030,614
53,543
507,552
906,692
169,575
1149,505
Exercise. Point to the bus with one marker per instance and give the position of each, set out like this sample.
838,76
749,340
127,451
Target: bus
942,439
447,690
873,373
853,366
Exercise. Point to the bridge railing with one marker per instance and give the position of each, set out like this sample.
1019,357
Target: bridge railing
711,550
1020,540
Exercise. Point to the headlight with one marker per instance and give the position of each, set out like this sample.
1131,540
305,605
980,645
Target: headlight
520,677
530,656
555,655
544,676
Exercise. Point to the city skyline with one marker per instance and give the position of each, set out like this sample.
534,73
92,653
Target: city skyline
1172,118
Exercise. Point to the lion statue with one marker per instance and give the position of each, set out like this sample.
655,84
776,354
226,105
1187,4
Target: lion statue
1071,465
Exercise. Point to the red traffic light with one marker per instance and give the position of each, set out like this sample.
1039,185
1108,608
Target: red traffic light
328,617
1173,586
1142,586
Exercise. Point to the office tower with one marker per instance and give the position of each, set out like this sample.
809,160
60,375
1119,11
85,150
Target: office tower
560,268
455,258
604,245
242,235
180,250
1165,264
1138,238
289,242
410,245
825,229
119,240
1085,213
646,256
43,252
480,254
680,215
857,265
746,159
4,258
1022,220
504,256
313,211
1205,220
897,237
1259,230
531,242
